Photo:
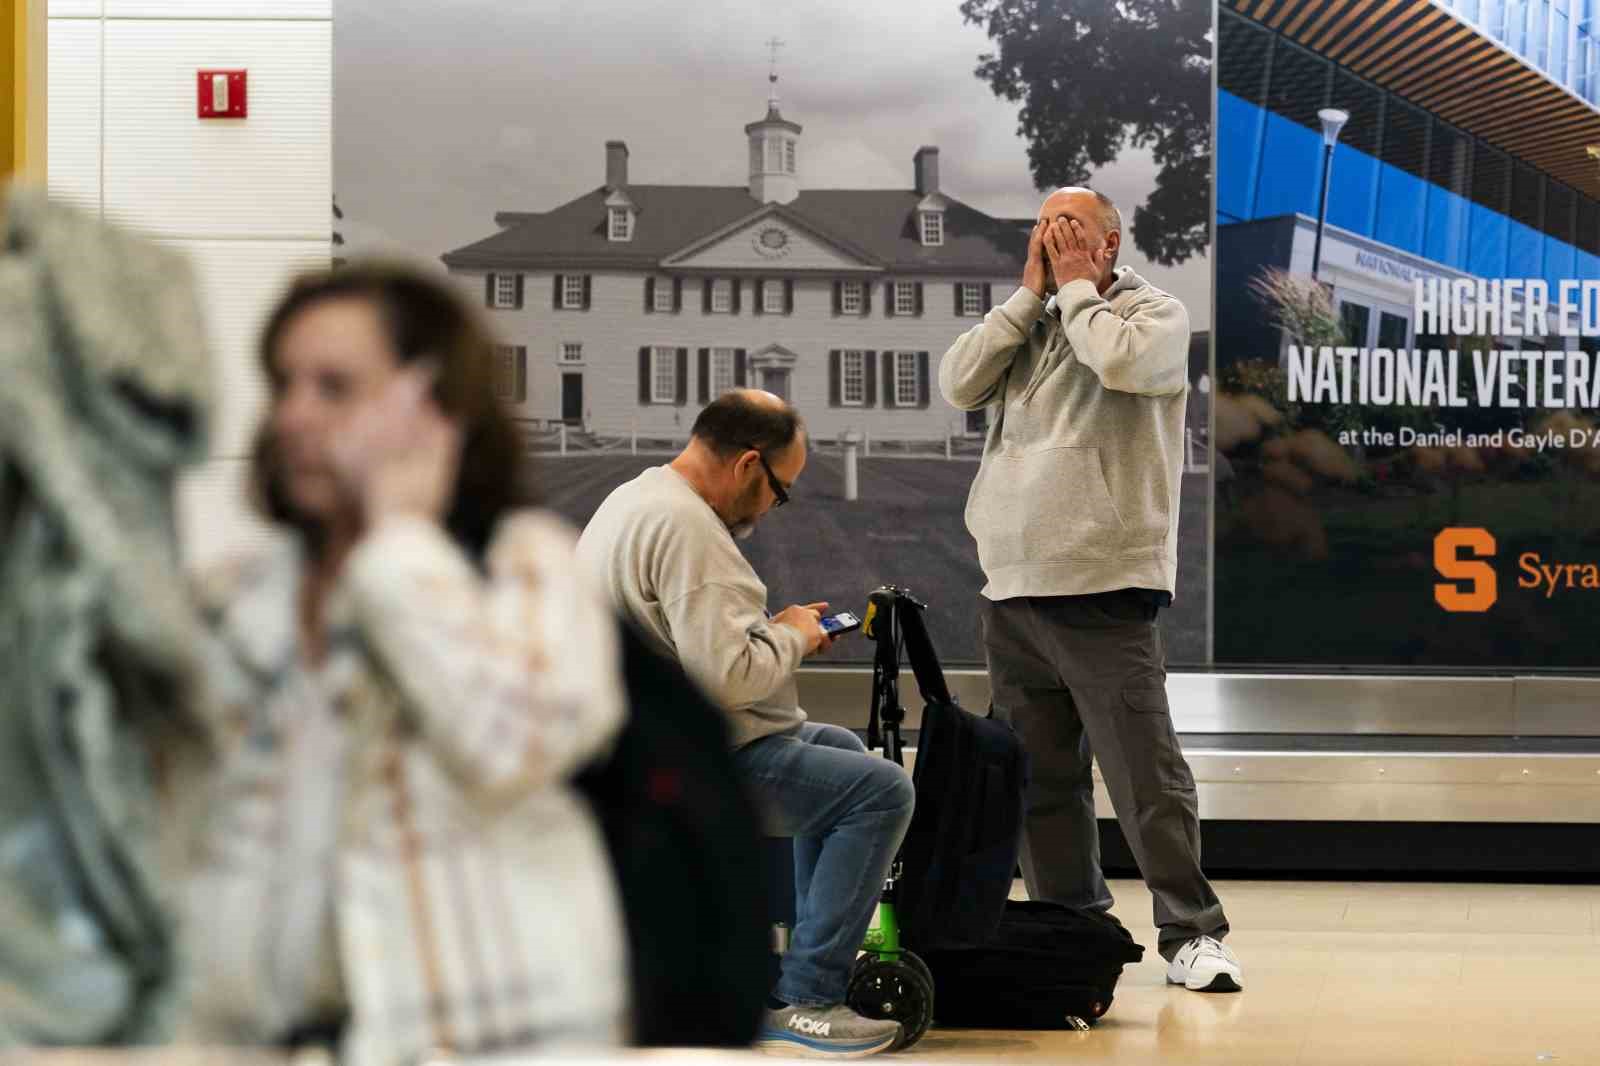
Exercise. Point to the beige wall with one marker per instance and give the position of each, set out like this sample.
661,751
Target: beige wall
249,200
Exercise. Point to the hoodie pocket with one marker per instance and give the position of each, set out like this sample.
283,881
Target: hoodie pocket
1044,506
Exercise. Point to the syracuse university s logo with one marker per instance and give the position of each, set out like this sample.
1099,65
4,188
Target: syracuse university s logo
1461,555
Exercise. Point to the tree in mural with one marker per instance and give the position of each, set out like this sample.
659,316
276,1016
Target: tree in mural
1094,78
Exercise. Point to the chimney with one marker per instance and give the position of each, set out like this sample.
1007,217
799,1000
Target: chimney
616,165
926,162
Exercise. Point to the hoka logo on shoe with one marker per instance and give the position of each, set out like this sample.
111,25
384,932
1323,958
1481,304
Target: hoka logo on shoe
809,1026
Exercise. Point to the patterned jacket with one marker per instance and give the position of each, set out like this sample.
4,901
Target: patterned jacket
394,830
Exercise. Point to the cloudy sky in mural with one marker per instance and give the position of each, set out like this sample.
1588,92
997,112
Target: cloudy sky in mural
447,111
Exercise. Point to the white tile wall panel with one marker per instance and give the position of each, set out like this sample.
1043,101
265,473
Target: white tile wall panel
70,9
73,84
265,176
215,520
220,9
240,281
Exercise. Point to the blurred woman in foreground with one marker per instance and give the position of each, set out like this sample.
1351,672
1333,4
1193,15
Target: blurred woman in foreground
394,859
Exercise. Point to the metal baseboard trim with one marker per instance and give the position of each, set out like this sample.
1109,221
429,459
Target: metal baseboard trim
1361,851
1290,704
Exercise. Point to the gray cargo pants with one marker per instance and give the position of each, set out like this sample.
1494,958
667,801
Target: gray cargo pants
1081,677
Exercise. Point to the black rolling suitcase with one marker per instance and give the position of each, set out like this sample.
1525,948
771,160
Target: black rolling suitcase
1046,967
996,963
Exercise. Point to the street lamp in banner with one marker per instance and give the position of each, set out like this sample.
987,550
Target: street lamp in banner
1593,151
1333,121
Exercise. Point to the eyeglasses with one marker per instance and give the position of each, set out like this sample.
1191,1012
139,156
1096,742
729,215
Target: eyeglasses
781,497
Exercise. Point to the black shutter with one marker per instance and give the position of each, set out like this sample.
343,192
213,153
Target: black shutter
737,285
960,307
560,280
866,298
705,375
888,299
683,376
869,370
838,298
488,290
922,379
835,378
919,299
519,292
761,297
888,379
649,295
988,298
588,280
521,390
677,294
644,376
705,296
788,296
739,362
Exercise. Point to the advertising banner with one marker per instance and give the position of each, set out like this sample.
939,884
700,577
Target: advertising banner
1407,452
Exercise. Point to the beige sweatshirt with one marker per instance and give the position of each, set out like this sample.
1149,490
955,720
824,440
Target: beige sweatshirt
672,566
1081,476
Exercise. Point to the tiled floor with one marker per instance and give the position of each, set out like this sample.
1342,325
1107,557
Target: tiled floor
1335,973
1353,974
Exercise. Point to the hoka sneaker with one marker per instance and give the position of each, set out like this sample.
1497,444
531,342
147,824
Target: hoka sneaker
1204,965
835,1032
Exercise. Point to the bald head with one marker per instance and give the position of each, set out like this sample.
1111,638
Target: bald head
1095,211
1083,203
741,419
758,398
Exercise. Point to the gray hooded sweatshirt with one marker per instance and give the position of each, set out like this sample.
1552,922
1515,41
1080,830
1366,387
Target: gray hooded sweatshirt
1082,470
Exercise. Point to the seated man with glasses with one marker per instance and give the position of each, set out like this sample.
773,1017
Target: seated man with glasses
664,545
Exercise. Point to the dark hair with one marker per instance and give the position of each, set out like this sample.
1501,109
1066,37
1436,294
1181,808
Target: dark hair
421,317
733,423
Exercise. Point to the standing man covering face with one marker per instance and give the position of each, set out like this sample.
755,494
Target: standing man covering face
1075,513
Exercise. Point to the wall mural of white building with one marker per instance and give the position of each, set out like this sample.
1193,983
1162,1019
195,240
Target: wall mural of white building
629,307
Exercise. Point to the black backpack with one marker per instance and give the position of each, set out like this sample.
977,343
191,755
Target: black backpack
960,852
686,847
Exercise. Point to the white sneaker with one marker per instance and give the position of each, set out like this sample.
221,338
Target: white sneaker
1204,965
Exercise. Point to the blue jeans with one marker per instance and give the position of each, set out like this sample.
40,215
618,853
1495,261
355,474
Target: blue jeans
847,811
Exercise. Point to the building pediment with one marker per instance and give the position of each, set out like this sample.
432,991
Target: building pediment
773,355
772,238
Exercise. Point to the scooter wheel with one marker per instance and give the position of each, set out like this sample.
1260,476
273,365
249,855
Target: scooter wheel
898,990
914,960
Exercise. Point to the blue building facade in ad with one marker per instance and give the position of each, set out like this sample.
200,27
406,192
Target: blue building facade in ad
1410,192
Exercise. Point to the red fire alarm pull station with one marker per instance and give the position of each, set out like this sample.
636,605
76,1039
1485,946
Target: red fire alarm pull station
222,94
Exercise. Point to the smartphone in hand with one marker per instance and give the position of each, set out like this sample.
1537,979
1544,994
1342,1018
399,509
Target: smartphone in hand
836,625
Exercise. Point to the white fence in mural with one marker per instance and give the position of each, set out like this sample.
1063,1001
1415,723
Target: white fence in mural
559,440
552,439
1196,454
